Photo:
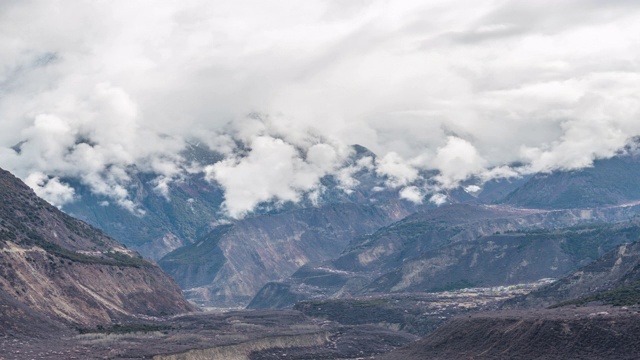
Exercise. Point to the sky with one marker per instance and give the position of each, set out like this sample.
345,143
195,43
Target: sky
282,88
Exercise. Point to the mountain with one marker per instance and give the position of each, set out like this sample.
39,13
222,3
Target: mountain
593,314
582,333
192,206
228,266
608,182
505,259
164,222
190,214
58,270
459,246
613,279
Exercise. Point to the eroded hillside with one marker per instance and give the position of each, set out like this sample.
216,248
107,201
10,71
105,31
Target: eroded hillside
58,268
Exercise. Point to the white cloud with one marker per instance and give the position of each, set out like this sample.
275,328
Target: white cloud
412,193
273,170
464,88
457,161
397,171
472,189
438,199
56,192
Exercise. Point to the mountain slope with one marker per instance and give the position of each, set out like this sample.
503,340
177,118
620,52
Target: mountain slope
584,330
62,269
234,261
169,220
612,279
167,223
583,333
608,182
459,246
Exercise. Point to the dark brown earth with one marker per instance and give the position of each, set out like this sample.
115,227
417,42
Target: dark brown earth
238,334
567,333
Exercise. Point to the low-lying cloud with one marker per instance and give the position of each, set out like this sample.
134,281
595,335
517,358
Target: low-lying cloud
457,89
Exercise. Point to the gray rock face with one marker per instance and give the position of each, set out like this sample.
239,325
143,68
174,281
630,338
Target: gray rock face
234,261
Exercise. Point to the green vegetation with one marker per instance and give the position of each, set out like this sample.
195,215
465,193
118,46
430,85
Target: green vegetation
82,230
124,329
456,285
113,258
625,295
126,260
587,243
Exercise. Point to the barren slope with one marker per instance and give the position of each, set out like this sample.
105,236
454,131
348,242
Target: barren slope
58,268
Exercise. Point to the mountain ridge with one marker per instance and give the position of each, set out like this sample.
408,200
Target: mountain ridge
61,269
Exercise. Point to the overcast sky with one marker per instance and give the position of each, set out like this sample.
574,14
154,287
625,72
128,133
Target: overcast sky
90,88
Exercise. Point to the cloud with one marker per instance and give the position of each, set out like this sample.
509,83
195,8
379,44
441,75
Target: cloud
273,170
450,90
397,170
412,193
457,161
438,199
50,188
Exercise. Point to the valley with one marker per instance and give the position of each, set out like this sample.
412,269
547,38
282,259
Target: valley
350,278
319,180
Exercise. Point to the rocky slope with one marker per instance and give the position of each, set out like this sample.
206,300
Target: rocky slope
608,182
163,222
234,261
166,223
459,246
59,269
505,259
583,333
612,279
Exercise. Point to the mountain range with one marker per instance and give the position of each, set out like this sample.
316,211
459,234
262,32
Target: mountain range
363,251
366,240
